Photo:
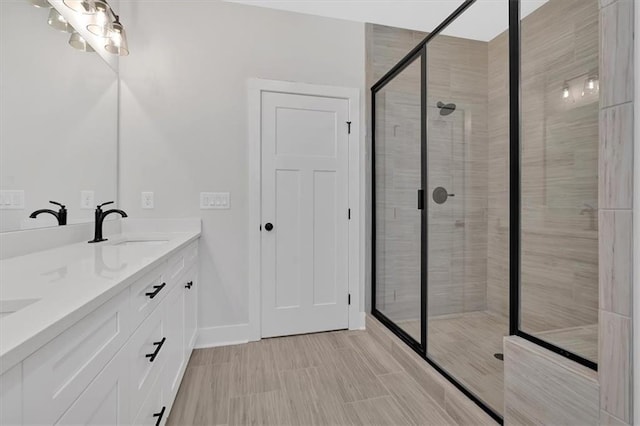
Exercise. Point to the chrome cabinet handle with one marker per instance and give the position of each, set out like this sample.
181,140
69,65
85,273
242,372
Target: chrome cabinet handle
158,345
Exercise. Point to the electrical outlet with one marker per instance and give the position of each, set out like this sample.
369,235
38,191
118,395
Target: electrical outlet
87,200
214,200
147,200
11,199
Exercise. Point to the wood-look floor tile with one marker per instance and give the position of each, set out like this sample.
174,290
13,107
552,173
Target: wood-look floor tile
215,355
203,398
265,408
378,359
378,411
416,404
351,377
255,371
294,352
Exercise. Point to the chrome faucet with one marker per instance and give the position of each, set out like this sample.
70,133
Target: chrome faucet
60,215
100,216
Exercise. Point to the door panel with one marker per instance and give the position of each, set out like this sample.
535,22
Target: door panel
305,197
398,221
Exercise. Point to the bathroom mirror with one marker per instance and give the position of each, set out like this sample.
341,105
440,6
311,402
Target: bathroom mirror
58,122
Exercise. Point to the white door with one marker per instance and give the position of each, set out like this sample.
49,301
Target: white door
304,213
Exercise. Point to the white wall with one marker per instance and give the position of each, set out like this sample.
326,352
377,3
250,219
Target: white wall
184,117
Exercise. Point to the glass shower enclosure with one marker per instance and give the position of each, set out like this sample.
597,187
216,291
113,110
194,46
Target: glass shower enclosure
485,189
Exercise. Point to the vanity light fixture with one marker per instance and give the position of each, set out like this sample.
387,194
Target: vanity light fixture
591,85
117,41
77,42
86,7
57,21
102,24
40,3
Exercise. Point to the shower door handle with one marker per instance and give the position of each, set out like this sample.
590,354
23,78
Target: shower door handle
420,199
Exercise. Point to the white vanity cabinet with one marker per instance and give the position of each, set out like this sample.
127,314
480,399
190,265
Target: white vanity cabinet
121,364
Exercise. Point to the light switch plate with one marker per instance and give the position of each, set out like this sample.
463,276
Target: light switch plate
11,199
87,200
147,200
214,200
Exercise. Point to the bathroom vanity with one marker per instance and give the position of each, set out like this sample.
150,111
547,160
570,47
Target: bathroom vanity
98,333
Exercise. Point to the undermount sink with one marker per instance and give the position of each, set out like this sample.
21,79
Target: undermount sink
140,242
8,307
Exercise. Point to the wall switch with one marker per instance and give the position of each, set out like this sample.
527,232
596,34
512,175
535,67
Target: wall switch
87,200
11,199
147,200
214,200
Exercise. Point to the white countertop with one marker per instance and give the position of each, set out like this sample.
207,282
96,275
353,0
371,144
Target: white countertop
66,283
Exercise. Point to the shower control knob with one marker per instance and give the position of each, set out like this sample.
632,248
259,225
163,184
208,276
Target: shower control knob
440,195
268,226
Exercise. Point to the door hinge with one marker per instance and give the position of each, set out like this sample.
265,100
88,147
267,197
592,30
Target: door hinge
349,214
349,299
348,127
420,199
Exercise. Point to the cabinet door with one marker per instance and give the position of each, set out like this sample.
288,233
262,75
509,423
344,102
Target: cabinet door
190,309
57,374
11,397
106,399
174,320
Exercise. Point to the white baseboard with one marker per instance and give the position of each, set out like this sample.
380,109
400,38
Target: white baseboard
226,335
358,321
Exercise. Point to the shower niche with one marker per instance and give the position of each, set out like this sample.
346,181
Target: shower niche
450,275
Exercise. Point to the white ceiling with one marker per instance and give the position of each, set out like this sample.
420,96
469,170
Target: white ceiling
482,21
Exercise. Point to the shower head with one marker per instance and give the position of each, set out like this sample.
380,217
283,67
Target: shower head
446,109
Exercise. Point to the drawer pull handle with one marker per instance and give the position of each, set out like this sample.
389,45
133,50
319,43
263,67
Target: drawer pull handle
158,345
159,416
188,285
155,292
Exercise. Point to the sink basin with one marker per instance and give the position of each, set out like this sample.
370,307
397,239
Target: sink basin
141,243
8,307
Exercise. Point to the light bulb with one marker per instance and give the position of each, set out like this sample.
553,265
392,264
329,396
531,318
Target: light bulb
591,85
57,21
101,25
566,92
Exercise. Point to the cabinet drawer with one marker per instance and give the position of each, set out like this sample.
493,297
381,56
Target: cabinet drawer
181,261
147,293
56,375
153,410
147,350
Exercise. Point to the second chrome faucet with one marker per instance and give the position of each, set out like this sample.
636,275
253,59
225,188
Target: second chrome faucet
100,216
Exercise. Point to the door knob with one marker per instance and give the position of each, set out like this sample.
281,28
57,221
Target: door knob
268,226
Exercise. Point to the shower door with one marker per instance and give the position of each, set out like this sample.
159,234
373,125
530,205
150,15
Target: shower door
398,225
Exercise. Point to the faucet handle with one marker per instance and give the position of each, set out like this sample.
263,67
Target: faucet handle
104,204
62,206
